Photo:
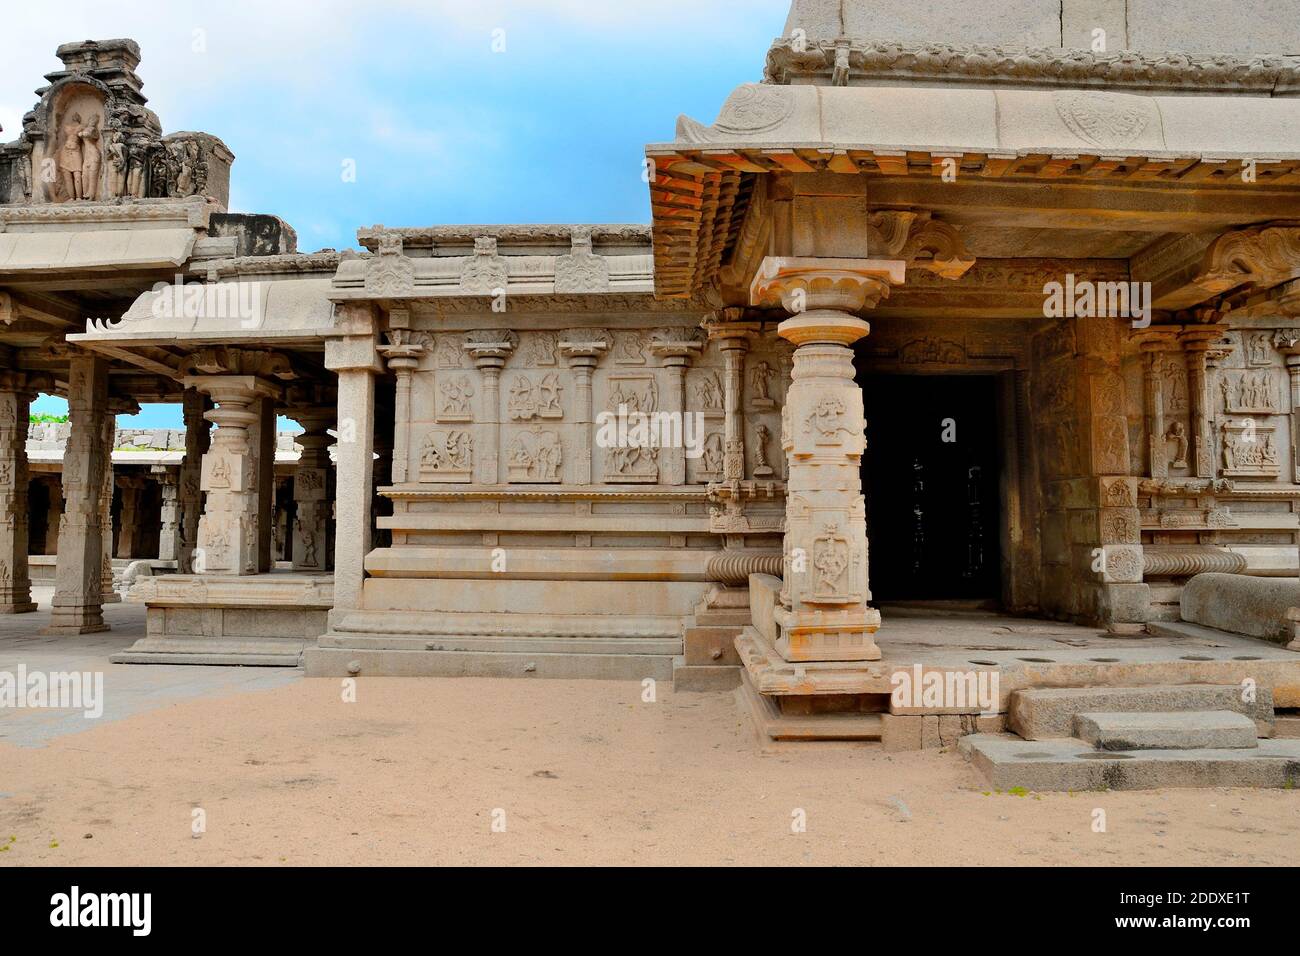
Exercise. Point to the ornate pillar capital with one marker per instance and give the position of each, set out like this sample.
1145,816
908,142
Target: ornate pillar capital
804,284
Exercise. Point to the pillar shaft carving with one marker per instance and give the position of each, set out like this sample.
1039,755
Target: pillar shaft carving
490,350
582,348
15,581
733,338
676,354
312,489
228,532
403,357
190,493
78,580
825,614
169,514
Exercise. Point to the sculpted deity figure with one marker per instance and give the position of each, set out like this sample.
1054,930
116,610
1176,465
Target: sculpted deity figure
70,158
117,163
90,159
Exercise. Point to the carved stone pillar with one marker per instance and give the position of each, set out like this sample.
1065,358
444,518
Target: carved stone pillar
116,406
15,581
228,535
262,440
583,349
311,489
490,350
78,580
355,359
733,339
128,537
403,357
1201,348
53,516
170,512
197,440
1154,344
676,355
824,614
1287,341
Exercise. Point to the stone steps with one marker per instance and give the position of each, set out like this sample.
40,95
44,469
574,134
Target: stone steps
1136,738
249,652
1048,712
569,664
499,624
1179,730
498,644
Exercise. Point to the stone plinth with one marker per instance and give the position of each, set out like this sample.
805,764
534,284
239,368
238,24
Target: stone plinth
252,620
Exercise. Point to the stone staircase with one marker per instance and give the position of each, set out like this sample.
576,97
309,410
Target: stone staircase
494,644
1136,738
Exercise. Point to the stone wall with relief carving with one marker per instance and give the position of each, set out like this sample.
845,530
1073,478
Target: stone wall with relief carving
510,419
1214,438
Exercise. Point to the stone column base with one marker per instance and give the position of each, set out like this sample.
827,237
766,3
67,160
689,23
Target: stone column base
23,607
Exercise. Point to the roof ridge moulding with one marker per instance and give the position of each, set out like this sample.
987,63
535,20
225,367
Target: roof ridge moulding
854,61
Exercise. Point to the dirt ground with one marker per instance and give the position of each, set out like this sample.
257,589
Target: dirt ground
418,771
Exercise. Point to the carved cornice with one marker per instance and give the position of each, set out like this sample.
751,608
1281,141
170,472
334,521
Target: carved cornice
851,61
194,210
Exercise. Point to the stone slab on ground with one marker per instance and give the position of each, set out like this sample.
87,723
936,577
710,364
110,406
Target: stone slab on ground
1180,730
705,677
1068,764
1046,713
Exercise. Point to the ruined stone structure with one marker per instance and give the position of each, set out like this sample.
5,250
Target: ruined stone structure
1061,263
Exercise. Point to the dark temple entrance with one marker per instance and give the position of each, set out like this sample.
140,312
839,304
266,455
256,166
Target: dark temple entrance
930,475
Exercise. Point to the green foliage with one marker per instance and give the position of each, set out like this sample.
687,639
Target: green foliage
45,418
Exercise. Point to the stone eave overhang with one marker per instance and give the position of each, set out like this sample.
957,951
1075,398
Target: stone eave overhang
701,182
852,61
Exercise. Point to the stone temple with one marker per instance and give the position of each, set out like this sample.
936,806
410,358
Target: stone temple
964,305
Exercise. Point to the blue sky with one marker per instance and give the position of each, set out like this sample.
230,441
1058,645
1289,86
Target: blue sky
442,128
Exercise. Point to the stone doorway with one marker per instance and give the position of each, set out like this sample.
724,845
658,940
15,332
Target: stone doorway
931,478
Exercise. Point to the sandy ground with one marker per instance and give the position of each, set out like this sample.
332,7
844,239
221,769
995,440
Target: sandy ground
416,771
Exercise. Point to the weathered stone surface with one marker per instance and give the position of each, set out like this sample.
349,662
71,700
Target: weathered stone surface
1067,764
1180,730
1045,713
1241,604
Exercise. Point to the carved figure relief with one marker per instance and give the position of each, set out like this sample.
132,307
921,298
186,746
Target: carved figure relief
761,374
1174,382
762,435
629,348
1248,450
535,456
455,392
711,459
831,557
708,394
932,350
1257,348
1249,393
541,348
449,353
826,420
528,401
1177,435
447,455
